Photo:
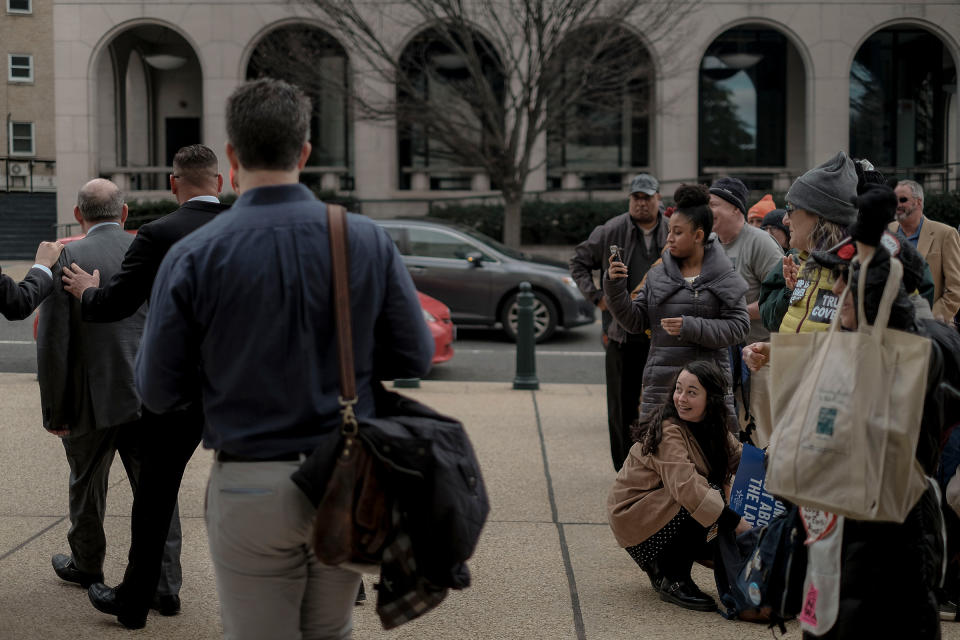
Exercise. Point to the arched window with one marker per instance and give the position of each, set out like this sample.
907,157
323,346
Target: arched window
752,106
439,70
901,84
150,103
312,59
601,135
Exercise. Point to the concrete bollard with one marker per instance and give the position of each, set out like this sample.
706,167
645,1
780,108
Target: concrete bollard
526,377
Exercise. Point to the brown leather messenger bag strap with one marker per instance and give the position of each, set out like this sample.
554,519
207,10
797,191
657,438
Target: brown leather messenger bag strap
337,220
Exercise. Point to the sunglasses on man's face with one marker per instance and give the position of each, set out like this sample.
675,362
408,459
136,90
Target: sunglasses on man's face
903,199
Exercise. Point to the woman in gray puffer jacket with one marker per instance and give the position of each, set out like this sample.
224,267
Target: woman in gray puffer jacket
691,302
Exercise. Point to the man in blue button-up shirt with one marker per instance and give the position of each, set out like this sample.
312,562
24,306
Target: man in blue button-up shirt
243,308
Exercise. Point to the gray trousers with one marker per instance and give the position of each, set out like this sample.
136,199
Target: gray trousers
90,457
269,581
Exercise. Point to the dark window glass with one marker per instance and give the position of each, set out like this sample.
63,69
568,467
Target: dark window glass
435,71
19,5
21,138
313,60
743,99
898,101
21,67
598,107
397,234
427,243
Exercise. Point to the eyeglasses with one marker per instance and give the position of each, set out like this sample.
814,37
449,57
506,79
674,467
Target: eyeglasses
903,199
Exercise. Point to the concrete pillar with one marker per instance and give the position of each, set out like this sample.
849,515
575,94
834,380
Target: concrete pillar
571,181
420,181
480,182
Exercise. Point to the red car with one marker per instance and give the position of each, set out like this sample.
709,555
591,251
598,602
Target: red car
437,316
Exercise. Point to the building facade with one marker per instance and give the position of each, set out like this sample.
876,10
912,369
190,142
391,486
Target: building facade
762,90
27,137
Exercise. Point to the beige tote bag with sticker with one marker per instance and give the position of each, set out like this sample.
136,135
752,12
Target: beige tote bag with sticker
846,414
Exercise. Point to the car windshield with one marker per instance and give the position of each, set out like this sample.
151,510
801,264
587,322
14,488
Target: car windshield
499,246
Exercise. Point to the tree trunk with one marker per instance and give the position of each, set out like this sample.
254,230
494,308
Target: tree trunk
511,219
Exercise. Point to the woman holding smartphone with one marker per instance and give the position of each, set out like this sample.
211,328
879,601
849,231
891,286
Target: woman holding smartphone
691,303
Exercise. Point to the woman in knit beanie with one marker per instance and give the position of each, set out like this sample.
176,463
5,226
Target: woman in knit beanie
819,210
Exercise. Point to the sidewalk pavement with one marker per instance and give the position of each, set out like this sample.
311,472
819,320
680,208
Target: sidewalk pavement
547,565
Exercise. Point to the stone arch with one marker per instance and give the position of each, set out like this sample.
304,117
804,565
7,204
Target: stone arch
599,141
146,97
745,63
903,103
436,72
306,54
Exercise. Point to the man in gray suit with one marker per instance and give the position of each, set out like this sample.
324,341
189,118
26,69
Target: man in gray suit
87,390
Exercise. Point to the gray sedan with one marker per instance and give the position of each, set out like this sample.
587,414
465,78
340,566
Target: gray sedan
478,277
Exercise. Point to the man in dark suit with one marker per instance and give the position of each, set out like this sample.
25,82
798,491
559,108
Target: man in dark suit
170,438
19,299
87,390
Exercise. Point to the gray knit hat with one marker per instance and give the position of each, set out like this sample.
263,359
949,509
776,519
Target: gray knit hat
828,190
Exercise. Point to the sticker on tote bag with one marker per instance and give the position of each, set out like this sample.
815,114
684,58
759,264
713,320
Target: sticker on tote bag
826,421
819,524
808,614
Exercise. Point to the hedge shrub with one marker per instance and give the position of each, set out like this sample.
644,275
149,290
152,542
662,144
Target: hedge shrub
144,211
943,207
542,222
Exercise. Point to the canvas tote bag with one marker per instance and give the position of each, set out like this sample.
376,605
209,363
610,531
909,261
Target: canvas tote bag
846,411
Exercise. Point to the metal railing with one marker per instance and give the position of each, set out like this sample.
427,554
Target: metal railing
758,178
156,178
934,178
27,175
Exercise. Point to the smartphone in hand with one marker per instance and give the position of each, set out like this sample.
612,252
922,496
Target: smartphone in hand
615,253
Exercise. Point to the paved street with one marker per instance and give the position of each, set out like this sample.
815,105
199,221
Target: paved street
481,355
18,353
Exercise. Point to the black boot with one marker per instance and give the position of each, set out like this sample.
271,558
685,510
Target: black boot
653,572
684,593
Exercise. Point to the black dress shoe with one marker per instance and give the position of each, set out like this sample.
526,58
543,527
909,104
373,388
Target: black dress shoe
167,605
684,593
108,601
67,570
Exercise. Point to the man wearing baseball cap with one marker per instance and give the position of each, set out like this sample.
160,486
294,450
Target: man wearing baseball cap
639,235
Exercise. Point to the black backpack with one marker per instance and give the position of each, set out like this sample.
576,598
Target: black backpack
760,573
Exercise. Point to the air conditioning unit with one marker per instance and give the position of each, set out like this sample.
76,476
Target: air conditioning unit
18,169
17,176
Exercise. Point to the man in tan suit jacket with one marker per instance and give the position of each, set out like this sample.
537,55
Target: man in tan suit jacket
939,244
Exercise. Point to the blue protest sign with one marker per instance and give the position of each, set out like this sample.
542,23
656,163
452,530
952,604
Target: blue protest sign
749,496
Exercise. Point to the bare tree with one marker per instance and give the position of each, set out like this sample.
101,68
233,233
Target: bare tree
486,81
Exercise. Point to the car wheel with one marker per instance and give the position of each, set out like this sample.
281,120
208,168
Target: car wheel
544,317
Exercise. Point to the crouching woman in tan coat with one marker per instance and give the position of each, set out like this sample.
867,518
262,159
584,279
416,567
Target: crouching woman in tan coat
668,494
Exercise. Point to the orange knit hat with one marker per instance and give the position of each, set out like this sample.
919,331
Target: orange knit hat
762,208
